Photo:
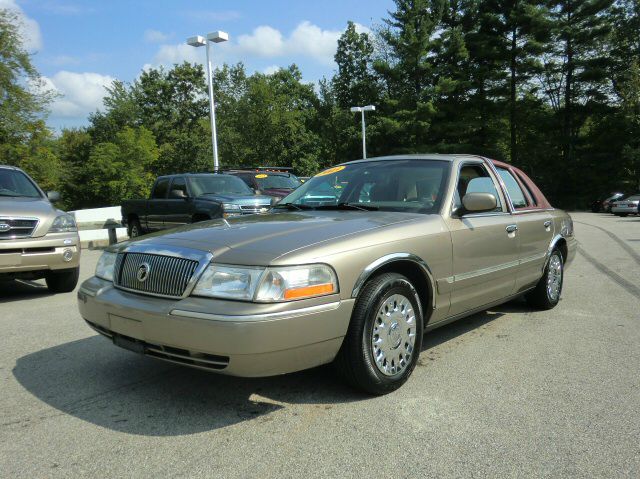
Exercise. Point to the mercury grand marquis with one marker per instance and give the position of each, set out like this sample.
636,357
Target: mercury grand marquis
351,268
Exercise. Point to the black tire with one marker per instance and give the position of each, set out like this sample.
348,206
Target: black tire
63,281
624,215
540,297
134,229
355,361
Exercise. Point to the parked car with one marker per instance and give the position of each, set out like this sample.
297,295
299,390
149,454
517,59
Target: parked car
411,243
37,240
607,203
273,181
627,206
188,198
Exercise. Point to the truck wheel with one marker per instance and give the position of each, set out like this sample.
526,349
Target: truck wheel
63,281
135,229
383,342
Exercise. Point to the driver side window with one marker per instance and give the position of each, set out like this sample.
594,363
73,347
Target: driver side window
475,179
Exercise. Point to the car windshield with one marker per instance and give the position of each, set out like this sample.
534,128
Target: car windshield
218,184
16,183
407,185
277,182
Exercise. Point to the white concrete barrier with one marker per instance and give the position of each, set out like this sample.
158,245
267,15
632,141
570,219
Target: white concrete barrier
93,224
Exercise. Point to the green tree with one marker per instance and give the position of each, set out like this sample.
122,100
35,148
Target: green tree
23,98
120,169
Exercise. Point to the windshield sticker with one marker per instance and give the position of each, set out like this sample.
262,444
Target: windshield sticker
261,176
331,171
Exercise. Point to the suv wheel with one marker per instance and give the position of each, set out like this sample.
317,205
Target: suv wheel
546,294
383,342
63,281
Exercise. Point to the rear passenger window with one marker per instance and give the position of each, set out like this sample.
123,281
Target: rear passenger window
161,188
518,197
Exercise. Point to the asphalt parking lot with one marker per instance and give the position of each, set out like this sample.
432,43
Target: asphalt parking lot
506,393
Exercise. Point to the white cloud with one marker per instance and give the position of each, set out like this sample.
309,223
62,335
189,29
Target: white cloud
61,60
265,41
29,28
155,36
80,93
305,41
271,69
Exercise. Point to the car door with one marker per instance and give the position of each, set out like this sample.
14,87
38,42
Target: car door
156,206
535,229
178,210
484,245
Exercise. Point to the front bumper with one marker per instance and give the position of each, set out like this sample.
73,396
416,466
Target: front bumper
51,252
240,339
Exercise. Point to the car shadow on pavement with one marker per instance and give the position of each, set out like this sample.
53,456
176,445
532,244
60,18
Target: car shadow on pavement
116,389
94,381
18,290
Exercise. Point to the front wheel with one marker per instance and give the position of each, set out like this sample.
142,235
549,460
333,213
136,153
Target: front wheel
383,342
546,294
63,281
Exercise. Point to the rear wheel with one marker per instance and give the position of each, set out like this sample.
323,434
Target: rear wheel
383,342
63,281
134,228
546,294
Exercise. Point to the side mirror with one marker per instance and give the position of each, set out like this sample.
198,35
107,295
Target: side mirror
53,196
479,202
257,191
177,195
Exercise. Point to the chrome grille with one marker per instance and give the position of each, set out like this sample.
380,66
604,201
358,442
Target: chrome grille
166,275
252,209
14,228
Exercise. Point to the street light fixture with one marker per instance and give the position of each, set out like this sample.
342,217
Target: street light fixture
362,109
199,41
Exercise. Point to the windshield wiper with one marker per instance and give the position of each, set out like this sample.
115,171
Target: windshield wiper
293,206
349,206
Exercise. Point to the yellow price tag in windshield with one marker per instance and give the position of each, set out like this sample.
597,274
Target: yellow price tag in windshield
261,176
331,171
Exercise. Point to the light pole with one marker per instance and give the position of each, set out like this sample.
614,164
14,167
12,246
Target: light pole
362,109
198,41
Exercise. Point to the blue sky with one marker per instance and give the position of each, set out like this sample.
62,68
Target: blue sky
81,46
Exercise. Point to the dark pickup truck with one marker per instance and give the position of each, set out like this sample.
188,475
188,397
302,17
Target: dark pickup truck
179,199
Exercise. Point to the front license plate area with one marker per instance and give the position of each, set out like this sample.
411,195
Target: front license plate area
129,344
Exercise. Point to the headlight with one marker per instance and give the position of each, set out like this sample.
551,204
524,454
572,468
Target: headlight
266,285
104,269
63,224
229,282
296,282
229,209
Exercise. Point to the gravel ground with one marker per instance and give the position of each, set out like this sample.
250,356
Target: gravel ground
505,393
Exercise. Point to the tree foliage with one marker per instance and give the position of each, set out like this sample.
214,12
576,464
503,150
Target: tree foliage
550,85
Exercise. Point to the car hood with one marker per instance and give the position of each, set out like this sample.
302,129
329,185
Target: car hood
260,239
31,207
238,199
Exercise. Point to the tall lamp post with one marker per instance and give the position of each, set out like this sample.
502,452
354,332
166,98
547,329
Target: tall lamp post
198,41
362,109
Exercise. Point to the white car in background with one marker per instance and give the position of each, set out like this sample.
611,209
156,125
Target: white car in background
628,206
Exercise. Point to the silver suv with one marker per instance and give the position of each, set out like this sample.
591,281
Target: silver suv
37,240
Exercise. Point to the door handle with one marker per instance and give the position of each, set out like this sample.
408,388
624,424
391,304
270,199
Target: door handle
547,223
512,228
